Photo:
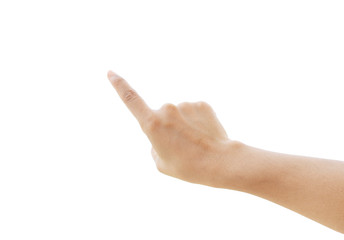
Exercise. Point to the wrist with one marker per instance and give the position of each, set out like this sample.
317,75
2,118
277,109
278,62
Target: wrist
231,171
245,168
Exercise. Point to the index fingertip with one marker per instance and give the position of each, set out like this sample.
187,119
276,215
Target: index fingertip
112,76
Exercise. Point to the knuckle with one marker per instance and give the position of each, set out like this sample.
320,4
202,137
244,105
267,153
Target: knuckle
202,104
169,107
130,95
184,105
169,114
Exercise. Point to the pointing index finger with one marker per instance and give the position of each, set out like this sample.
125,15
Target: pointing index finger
130,97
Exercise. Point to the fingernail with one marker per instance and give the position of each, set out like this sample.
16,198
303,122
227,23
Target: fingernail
112,76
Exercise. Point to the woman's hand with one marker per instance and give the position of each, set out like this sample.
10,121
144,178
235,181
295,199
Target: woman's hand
188,141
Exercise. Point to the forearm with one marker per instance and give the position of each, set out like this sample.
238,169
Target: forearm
312,187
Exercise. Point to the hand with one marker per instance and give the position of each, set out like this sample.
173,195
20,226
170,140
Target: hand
188,141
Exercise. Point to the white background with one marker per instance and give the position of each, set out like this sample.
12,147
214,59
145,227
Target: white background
74,163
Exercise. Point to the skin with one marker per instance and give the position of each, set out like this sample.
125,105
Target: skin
189,143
